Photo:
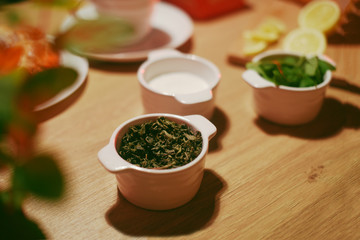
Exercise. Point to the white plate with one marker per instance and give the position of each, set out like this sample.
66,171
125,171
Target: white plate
80,65
171,27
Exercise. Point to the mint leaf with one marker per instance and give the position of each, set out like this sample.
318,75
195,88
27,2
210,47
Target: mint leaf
290,61
310,66
306,82
324,66
263,69
292,71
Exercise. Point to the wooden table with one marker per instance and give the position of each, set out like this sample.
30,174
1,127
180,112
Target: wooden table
262,180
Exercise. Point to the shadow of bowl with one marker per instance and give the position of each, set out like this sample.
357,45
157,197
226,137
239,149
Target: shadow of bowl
221,121
197,214
333,117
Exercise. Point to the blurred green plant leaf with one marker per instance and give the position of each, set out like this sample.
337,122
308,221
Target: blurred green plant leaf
7,2
68,4
9,88
13,17
40,176
46,84
14,224
19,94
6,158
101,34
18,191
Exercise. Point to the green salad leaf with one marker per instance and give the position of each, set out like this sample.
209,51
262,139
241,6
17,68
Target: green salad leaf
292,71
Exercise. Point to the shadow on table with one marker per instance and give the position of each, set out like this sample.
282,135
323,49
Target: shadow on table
344,85
221,121
199,213
349,32
333,117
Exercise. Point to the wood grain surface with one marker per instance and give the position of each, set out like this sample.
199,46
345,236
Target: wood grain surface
262,180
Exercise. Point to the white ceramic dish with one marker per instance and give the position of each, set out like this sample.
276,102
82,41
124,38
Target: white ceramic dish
80,65
154,188
282,104
167,61
171,21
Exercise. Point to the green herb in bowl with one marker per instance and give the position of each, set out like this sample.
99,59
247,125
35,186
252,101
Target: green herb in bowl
160,144
292,71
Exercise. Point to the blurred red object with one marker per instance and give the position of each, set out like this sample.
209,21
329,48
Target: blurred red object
204,9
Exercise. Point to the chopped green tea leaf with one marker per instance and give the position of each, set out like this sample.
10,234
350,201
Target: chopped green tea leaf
160,144
292,71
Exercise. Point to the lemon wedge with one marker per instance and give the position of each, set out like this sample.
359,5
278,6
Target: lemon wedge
322,15
305,41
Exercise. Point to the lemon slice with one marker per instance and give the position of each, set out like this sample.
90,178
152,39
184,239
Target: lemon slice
267,32
322,15
252,46
272,25
305,41
260,35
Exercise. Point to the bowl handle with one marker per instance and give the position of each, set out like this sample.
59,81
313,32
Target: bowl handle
109,158
197,97
255,80
206,127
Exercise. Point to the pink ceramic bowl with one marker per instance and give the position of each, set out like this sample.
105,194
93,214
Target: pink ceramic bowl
193,100
157,189
282,104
